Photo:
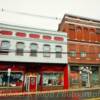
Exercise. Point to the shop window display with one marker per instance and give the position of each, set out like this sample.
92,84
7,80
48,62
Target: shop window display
15,79
95,76
53,79
74,77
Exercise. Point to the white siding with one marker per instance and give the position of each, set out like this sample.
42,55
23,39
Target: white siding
39,58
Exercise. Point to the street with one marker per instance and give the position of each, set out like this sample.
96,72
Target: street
35,98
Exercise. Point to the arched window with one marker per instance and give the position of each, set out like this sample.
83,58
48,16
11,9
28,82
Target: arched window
46,50
4,48
33,51
58,50
20,48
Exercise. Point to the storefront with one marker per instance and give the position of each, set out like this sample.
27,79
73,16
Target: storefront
33,77
84,76
32,59
52,77
11,77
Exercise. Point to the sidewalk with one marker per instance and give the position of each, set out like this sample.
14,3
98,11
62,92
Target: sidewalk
93,99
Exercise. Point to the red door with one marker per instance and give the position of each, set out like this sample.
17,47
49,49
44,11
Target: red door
32,86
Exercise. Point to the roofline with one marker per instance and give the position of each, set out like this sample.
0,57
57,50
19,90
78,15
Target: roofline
22,26
82,17
32,27
26,28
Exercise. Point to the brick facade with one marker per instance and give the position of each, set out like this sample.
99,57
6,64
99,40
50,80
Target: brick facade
82,36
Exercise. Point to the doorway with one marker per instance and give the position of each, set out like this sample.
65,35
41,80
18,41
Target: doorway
85,78
30,83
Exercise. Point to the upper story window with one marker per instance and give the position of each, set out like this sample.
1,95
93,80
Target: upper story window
72,53
83,54
4,48
46,50
78,29
92,31
58,50
33,47
20,48
97,30
98,55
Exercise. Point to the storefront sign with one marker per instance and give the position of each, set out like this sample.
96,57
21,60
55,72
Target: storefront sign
85,69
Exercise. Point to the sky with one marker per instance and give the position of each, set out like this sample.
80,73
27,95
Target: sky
50,8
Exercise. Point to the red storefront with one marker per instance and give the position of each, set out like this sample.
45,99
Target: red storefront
33,77
32,59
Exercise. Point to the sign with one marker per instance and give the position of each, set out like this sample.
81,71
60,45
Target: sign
9,71
85,69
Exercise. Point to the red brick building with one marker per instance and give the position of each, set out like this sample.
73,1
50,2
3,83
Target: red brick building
83,50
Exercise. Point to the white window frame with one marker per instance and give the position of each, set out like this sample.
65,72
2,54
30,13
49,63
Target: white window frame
4,49
20,50
58,50
33,51
46,50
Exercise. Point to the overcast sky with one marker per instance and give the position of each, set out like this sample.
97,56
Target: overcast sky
51,8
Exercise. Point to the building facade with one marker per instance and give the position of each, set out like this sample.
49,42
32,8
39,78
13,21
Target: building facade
32,59
83,50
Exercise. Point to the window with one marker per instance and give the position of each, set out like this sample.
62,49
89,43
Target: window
97,30
20,48
15,79
74,77
4,48
58,51
72,53
95,75
99,55
46,50
83,54
78,29
92,31
34,48
53,79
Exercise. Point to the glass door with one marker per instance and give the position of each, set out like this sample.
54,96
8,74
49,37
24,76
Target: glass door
85,77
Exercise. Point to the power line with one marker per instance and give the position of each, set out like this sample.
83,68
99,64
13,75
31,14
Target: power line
29,14
29,51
